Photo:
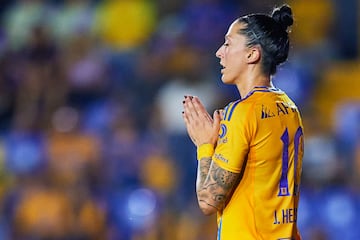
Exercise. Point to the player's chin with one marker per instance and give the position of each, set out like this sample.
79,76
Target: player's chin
226,79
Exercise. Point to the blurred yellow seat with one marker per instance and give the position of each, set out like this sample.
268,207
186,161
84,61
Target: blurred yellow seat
340,83
313,21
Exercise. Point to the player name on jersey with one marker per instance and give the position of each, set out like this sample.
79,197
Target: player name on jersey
284,216
282,109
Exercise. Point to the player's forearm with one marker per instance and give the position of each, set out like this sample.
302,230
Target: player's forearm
204,156
205,199
214,185
203,170
203,195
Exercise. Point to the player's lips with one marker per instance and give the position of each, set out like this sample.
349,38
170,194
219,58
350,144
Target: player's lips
222,67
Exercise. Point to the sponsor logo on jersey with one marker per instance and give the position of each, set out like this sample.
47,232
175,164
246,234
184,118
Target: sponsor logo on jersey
221,158
223,130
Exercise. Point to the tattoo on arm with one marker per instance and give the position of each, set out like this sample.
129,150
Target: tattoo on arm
209,204
214,184
224,178
204,165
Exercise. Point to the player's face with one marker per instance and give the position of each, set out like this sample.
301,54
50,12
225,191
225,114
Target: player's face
232,54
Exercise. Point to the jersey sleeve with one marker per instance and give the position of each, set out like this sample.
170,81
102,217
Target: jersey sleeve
235,137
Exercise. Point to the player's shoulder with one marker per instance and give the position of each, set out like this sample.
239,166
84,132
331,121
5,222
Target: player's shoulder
246,107
270,96
237,109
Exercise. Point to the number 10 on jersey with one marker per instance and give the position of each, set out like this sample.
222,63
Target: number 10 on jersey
284,184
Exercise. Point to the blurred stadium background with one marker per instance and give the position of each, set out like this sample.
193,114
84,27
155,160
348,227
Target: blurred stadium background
92,144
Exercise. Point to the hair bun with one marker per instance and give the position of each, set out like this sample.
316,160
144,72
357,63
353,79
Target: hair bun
283,16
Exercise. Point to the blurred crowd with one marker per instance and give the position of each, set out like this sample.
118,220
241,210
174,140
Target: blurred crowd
92,142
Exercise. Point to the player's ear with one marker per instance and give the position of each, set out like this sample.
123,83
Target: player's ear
253,54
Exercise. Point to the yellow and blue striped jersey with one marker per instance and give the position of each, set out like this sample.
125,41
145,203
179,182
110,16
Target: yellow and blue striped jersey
261,137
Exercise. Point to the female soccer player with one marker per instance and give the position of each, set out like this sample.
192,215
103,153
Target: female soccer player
250,154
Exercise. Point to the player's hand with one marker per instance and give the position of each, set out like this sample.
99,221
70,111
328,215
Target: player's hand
201,127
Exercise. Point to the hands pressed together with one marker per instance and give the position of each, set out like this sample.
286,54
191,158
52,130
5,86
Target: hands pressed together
201,127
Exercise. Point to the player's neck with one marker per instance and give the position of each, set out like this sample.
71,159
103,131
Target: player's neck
246,86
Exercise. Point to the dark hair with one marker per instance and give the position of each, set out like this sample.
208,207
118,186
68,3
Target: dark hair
271,33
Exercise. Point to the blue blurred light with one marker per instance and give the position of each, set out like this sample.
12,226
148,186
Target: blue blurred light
141,208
